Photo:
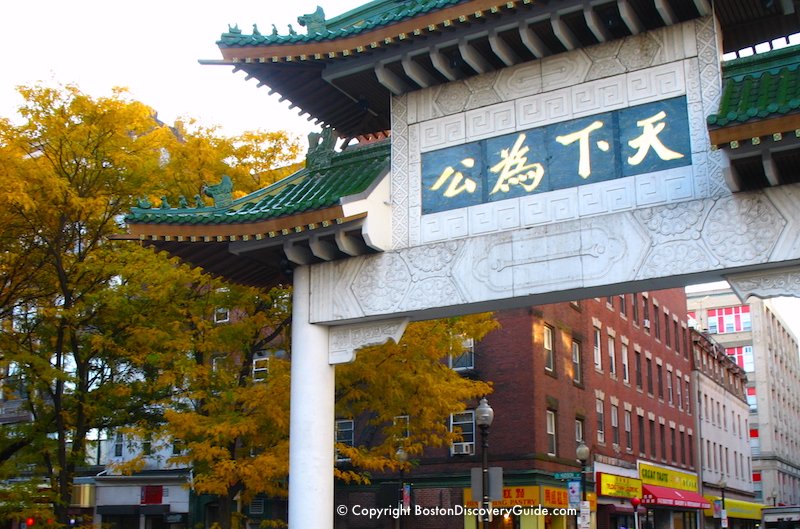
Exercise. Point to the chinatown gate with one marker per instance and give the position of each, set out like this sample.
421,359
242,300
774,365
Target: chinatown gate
510,154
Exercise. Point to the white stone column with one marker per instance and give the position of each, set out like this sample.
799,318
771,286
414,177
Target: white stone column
311,426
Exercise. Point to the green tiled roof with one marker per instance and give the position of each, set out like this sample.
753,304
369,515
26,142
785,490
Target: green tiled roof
369,16
761,86
349,173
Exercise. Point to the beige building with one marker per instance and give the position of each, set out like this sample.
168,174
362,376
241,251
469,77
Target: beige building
755,336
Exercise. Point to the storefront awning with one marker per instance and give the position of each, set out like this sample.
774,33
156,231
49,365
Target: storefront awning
666,497
737,508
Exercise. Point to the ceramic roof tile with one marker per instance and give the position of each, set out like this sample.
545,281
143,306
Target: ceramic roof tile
762,86
371,15
349,173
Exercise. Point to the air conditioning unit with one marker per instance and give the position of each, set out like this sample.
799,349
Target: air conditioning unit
646,324
462,449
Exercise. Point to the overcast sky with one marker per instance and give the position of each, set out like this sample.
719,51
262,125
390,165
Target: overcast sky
152,47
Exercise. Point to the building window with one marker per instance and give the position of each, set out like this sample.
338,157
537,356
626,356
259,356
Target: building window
660,381
623,306
598,353
579,431
549,357
221,315
673,445
662,431
687,401
669,387
667,341
465,359
649,362
626,375
637,366
577,363
345,435
635,308
676,335
640,424
119,440
601,425
656,323
646,313
260,368
751,399
612,356
628,430
401,426
551,432
463,423
743,356
729,319
614,424
690,446
653,453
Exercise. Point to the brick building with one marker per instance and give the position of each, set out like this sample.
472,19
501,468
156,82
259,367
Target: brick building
612,372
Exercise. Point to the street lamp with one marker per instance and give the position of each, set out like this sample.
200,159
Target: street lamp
402,456
582,452
723,517
484,414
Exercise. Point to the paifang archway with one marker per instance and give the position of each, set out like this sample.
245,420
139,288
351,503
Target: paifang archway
538,154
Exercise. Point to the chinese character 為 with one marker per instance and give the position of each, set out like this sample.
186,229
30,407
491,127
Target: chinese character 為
514,169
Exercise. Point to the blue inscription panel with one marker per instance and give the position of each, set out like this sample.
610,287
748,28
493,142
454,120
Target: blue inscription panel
607,146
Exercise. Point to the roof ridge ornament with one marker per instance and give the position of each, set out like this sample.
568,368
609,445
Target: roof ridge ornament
320,149
221,193
315,22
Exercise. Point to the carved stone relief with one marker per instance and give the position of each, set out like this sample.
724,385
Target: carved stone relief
344,341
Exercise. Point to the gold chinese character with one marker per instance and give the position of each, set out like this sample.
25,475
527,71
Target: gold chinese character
582,137
456,187
649,138
514,169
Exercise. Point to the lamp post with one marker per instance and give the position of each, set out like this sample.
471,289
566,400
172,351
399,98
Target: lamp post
582,452
723,516
484,414
402,456
635,502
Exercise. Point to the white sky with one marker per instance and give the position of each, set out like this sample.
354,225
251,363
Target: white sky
152,47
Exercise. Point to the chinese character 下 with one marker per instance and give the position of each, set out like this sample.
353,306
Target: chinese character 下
456,187
651,128
514,169
582,137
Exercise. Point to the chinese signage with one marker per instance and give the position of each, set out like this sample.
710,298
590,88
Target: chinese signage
619,486
635,140
653,475
526,496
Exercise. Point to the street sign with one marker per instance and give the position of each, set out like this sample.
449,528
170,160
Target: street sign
495,483
567,475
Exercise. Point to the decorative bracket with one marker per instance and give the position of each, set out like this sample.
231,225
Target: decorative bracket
766,283
345,340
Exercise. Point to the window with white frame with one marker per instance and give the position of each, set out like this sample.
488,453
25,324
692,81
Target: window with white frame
598,352
612,355
628,430
577,363
549,357
119,441
260,368
614,424
601,423
551,432
465,359
221,315
580,428
464,424
626,372
670,391
401,426
345,434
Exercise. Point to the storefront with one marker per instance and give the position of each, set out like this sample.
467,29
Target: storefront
670,497
741,514
524,506
614,508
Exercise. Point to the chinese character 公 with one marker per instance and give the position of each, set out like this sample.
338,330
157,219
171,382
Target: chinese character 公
456,187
